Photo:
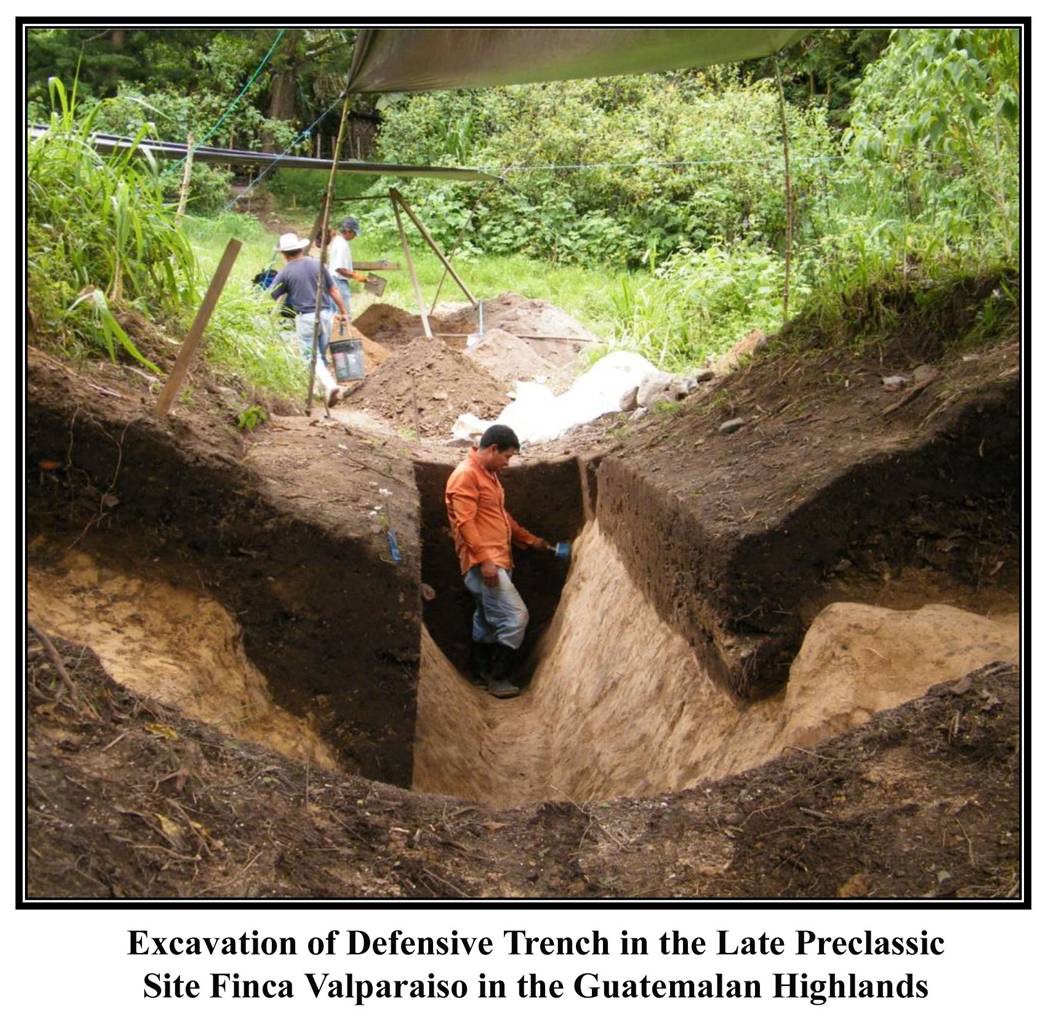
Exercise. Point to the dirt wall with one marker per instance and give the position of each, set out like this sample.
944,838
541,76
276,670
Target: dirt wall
732,571
326,616
618,704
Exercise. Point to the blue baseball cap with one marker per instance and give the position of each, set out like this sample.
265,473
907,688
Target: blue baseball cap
350,224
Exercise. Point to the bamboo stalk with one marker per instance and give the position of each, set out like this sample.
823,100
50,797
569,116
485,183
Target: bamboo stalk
411,266
183,194
787,186
433,245
325,215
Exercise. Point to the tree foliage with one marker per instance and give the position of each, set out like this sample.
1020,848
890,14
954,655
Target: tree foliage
624,171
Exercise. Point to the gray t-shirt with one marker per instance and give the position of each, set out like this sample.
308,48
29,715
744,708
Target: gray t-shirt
298,280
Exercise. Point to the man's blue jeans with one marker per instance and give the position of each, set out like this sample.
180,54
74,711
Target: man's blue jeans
501,615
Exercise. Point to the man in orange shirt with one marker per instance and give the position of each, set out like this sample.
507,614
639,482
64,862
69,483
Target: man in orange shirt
484,532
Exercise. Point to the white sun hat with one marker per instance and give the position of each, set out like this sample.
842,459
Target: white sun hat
290,242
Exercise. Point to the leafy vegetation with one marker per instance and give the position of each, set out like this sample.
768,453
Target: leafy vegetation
652,207
100,235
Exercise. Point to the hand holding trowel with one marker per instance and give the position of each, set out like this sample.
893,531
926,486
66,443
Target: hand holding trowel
373,283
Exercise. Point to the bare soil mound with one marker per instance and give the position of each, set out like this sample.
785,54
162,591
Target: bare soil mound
425,386
529,318
509,358
389,325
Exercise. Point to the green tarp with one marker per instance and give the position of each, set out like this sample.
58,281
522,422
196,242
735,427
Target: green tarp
421,59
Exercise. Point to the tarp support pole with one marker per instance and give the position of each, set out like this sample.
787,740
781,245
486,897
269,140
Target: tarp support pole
398,198
325,215
411,266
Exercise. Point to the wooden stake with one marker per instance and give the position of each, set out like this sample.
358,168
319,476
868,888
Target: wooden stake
196,332
183,194
411,266
433,245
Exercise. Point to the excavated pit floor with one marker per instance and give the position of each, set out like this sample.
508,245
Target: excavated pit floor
617,704
170,643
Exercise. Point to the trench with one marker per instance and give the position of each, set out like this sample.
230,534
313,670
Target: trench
617,701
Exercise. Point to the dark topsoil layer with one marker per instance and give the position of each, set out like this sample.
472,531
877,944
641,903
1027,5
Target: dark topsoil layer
129,799
284,531
830,480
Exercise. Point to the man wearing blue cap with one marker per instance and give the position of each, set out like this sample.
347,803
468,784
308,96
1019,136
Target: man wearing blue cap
340,263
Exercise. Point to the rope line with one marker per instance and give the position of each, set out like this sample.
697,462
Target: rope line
527,169
229,109
301,137
247,85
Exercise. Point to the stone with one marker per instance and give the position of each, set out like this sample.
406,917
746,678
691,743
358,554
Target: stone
656,387
629,400
731,425
896,382
925,374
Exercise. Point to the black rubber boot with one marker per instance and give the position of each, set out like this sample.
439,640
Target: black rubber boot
480,663
499,684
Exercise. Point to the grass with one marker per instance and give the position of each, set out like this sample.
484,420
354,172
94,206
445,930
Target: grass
246,335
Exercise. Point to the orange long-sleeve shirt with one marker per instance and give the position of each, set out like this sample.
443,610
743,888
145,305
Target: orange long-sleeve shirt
482,527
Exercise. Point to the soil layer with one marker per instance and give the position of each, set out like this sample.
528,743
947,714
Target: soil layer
732,533
287,533
130,799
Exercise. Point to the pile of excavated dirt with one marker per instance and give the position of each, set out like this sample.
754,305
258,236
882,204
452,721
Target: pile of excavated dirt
618,704
545,338
550,332
425,386
388,325
508,358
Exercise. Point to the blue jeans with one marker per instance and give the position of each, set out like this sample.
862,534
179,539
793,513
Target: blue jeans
304,328
344,289
501,615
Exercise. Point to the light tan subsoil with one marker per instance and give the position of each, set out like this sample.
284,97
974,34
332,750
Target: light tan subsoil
172,644
618,704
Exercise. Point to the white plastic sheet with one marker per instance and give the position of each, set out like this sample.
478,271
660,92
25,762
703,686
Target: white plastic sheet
537,414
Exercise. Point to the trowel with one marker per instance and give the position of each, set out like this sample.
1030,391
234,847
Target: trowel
375,285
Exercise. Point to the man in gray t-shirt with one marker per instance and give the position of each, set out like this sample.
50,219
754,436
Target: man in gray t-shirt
296,284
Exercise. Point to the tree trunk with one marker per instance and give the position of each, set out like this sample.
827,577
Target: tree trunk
282,103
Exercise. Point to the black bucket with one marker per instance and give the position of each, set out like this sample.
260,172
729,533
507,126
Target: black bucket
349,360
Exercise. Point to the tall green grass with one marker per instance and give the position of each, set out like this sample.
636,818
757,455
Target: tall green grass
100,237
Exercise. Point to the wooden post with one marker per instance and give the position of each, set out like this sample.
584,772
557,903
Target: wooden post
787,186
196,332
187,170
411,266
323,228
433,245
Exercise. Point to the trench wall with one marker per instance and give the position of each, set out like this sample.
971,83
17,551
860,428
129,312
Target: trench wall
332,625
545,497
736,595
